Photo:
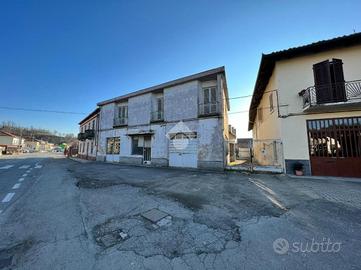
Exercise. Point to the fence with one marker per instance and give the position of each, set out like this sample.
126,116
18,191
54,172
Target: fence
264,155
267,153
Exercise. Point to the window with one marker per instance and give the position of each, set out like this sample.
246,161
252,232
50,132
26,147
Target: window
93,124
123,112
271,102
260,114
209,100
137,145
329,81
160,108
92,147
113,146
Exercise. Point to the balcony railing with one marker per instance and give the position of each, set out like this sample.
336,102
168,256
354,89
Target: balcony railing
89,134
344,92
157,116
81,136
209,109
120,122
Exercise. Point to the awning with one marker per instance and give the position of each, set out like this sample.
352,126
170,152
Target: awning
140,132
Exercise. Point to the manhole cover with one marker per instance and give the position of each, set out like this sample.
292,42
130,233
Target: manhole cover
113,238
154,215
5,262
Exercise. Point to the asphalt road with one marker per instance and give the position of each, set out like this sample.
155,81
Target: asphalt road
17,174
90,215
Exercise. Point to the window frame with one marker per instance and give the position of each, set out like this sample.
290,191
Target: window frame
271,104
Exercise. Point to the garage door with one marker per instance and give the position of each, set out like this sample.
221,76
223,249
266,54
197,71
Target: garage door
183,150
335,146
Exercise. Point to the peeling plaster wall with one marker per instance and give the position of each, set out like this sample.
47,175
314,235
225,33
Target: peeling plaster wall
139,110
210,143
107,116
180,104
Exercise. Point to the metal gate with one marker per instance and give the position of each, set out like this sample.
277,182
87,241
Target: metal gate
335,146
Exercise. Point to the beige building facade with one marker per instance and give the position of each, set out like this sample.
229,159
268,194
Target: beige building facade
306,108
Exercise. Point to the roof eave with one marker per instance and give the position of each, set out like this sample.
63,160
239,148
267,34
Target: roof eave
165,85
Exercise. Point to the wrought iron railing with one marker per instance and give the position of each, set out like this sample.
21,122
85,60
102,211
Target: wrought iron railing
209,109
157,116
89,134
120,121
331,93
81,136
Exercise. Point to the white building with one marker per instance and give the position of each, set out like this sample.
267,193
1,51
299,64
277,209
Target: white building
87,147
9,143
181,123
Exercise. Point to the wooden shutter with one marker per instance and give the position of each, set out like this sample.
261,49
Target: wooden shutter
339,92
322,77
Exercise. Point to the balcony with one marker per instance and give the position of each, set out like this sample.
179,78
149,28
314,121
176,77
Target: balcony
335,97
119,122
89,134
81,136
208,109
157,116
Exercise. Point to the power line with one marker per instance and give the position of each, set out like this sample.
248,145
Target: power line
38,110
81,113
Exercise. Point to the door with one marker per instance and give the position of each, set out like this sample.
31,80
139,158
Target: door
335,146
147,150
113,149
183,150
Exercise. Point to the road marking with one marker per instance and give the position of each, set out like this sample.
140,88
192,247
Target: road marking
6,167
21,179
8,197
1,211
16,186
28,171
24,166
25,174
38,166
268,193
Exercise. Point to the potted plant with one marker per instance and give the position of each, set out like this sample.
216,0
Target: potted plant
298,168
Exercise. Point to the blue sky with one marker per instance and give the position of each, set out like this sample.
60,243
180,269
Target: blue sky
68,55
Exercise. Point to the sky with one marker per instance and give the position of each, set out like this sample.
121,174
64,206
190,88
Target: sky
69,55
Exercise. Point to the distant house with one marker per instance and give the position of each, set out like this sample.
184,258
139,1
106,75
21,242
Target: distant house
232,139
243,148
306,108
10,143
88,136
32,146
180,123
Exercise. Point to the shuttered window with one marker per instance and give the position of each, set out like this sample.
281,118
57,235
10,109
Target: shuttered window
209,100
329,81
123,112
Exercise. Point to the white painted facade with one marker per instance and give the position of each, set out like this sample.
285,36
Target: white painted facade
143,133
87,146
